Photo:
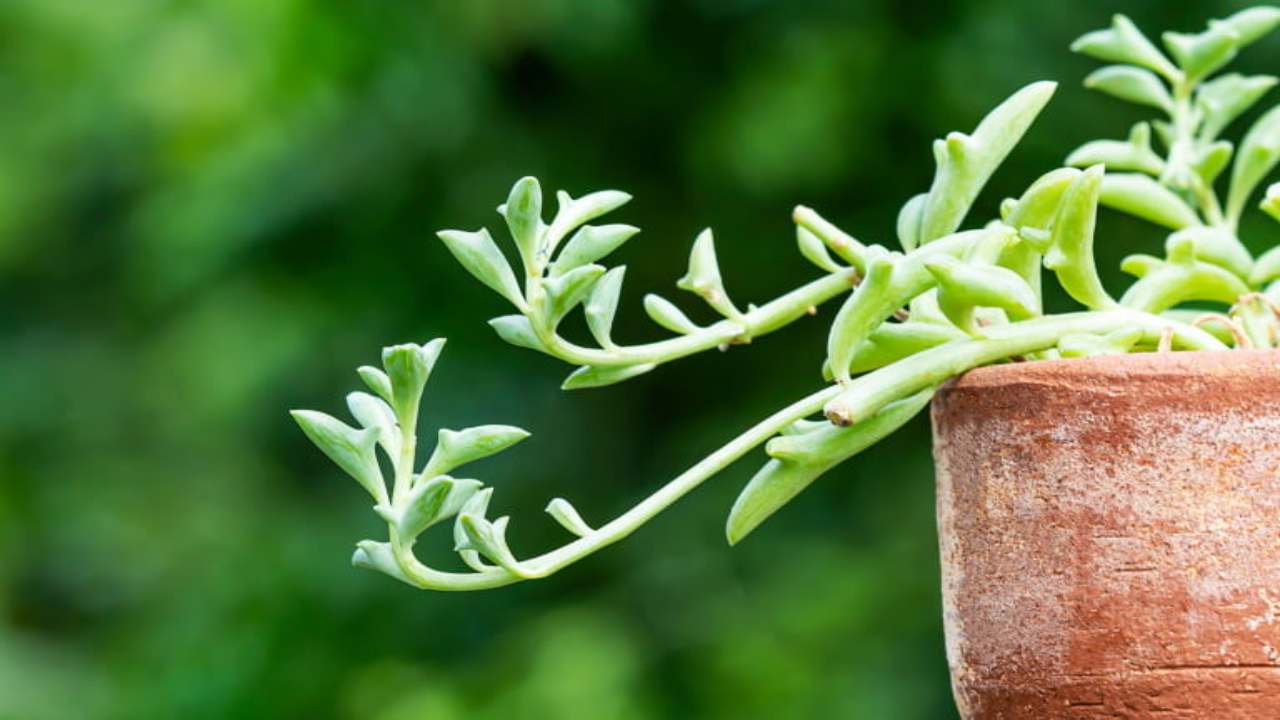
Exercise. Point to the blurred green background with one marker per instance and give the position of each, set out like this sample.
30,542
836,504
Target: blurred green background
211,212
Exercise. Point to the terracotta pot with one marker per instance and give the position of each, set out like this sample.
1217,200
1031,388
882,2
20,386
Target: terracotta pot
1110,536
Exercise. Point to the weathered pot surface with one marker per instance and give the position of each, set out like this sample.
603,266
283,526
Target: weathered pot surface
1110,536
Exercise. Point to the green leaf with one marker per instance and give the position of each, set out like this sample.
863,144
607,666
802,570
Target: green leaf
909,219
814,250
1225,98
1211,160
1038,205
802,458
1215,245
1201,54
1256,158
518,330
572,213
1123,42
568,517
374,412
565,292
523,212
376,380
703,277
661,311
1252,23
860,313
589,244
489,539
378,556
1143,197
476,505
481,257
963,287
1266,269
602,305
429,502
1163,284
589,376
409,366
893,341
1070,256
1271,203
1134,154
1132,84
349,448
966,162
457,448
1116,342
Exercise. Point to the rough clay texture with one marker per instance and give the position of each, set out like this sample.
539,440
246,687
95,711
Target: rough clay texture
1110,537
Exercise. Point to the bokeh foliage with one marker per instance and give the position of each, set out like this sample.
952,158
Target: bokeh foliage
211,211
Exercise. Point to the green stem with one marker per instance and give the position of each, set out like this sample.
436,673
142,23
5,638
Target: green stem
623,525
762,320
866,395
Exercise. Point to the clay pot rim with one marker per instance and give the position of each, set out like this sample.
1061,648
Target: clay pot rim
1132,366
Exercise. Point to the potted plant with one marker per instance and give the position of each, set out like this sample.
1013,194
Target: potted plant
1106,506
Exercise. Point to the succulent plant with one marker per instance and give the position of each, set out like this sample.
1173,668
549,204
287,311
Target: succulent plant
948,300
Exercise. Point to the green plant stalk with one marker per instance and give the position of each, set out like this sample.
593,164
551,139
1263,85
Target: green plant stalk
620,527
759,321
863,397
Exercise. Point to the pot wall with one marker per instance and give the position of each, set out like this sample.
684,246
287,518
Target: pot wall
1110,536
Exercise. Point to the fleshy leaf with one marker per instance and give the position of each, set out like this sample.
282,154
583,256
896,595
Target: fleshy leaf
602,305
663,312
1266,269
1201,54
966,162
1225,98
909,218
1143,197
1117,342
1257,157
1071,253
372,555
1134,154
1132,84
374,412
799,459
566,291
480,255
1271,203
814,250
962,287
1163,284
1215,245
523,213
430,502
376,380
518,330
589,244
589,376
409,366
455,448
489,539
568,517
860,313
476,506
572,213
1123,42
703,277
349,448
